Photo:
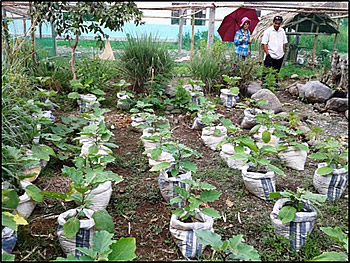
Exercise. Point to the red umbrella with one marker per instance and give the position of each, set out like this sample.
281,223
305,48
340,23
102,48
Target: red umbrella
231,22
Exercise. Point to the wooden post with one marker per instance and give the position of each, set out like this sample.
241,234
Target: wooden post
181,23
54,38
192,39
211,26
336,35
24,26
5,39
32,35
40,30
314,49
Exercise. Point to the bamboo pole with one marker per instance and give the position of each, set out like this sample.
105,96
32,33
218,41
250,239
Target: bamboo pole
192,39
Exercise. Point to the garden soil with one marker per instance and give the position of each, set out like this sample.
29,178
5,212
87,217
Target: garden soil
138,209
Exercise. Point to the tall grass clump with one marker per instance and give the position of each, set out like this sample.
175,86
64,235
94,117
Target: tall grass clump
143,57
16,119
208,65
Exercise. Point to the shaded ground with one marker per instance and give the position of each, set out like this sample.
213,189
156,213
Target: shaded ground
138,209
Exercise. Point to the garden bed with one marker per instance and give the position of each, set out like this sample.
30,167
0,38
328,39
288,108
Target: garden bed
138,209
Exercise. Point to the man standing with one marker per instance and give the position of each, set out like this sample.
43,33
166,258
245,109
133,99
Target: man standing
274,41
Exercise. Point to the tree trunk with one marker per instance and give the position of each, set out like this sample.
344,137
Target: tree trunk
71,61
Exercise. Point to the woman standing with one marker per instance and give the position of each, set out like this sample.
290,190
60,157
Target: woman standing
242,39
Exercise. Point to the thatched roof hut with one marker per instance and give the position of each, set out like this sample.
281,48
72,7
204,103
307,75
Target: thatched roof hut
297,24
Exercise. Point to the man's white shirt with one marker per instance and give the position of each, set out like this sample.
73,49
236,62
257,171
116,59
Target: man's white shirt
274,40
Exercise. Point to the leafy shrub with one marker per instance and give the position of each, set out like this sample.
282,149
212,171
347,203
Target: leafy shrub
143,58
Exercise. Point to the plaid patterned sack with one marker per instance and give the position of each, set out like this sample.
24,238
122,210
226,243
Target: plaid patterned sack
299,228
333,185
84,236
184,236
259,184
167,182
86,102
9,239
227,98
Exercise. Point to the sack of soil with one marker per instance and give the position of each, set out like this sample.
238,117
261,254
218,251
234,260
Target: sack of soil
167,182
100,196
26,205
333,185
249,119
294,158
184,236
83,238
299,228
86,102
227,98
259,183
227,150
8,240
210,139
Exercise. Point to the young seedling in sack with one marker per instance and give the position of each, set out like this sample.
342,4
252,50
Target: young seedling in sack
181,153
257,156
201,193
333,153
297,202
231,249
104,248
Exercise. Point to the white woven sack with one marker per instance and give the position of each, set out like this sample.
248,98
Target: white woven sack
294,158
122,104
299,228
137,120
227,98
258,137
84,236
184,236
249,119
26,205
102,150
212,140
8,240
259,184
148,144
189,88
167,182
86,102
100,196
333,185
164,157
227,150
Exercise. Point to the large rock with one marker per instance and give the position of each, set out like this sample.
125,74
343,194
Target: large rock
274,103
170,91
337,104
251,88
315,91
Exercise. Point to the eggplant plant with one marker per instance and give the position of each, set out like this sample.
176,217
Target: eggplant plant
231,249
104,248
201,193
338,235
181,153
296,203
333,153
257,158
